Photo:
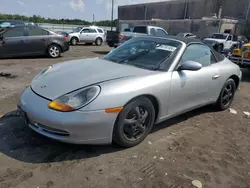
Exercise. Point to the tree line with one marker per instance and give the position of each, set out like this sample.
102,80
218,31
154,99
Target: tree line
39,19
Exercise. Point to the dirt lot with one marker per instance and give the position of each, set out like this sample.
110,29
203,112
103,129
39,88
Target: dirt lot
212,147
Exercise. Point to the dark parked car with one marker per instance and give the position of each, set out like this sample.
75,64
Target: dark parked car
31,40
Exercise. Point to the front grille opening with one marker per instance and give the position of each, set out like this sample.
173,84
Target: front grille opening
49,130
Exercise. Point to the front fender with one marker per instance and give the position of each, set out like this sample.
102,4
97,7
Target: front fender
117,93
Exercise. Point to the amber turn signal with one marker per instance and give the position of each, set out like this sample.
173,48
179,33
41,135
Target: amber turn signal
113,110
55,105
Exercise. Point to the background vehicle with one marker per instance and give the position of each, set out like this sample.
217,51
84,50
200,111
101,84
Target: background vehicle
151,78
11,23
88,35
226,41
215,44
187,35
64,34
241,56
115,38
30,40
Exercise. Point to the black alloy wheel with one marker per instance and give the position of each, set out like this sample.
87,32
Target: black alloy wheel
227,95
134,123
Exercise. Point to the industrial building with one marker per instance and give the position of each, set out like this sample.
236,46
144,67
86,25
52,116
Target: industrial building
201,17
185,9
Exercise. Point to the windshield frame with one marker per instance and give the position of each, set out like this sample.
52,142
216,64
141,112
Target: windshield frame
163,65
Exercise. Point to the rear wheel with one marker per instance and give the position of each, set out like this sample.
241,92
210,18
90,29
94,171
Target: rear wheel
98,41
226,95
74,41
134,123
54,51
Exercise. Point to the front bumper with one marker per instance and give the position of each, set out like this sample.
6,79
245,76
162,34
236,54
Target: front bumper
78,127
242,62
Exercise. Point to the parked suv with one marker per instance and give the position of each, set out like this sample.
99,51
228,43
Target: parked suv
88,35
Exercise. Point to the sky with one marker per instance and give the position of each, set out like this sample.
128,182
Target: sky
80,9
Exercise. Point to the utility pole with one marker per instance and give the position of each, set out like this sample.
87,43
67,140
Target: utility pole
93,19
145,13
112,15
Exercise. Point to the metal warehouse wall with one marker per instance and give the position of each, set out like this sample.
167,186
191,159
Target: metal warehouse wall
180,9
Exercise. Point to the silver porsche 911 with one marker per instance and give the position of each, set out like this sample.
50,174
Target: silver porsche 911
118,98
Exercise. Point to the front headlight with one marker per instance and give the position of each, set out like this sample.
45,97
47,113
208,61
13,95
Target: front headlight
75,100
42,73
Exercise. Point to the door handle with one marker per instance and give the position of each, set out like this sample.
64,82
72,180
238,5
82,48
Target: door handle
216,77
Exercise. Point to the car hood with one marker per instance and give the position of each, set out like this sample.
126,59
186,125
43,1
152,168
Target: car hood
72,75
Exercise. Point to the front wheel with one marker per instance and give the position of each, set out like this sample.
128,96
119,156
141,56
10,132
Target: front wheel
134,123
54,51
226,95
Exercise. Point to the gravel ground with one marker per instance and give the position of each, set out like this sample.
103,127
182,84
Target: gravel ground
211,147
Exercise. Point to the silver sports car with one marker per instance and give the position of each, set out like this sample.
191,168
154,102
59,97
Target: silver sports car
118,98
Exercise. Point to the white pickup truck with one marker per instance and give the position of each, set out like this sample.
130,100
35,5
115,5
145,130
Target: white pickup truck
225,41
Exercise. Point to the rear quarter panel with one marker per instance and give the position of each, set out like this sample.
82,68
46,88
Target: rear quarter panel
227,69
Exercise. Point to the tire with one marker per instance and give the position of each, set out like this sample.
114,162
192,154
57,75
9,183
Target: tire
140,115
74,41
228,89
54,51
98,41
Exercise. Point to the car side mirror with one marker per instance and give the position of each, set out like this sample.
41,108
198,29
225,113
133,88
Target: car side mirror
190,65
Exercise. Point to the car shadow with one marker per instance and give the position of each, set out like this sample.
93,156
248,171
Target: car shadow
19,142
101,52
245,75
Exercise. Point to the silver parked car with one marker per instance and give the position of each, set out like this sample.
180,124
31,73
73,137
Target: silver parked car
88,35
121,96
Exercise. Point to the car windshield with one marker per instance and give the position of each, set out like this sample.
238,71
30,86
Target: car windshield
78,29
147,54
219,36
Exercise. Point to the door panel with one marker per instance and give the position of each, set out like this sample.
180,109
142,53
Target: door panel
37,40
13,43
190,89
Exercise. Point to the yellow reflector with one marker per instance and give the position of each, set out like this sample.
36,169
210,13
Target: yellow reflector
55,105
113,110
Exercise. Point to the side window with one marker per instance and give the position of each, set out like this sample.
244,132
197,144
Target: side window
152,31
15,32
199,53
100,30
235,38
35,31
92,31
229,37
160,33
85,31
